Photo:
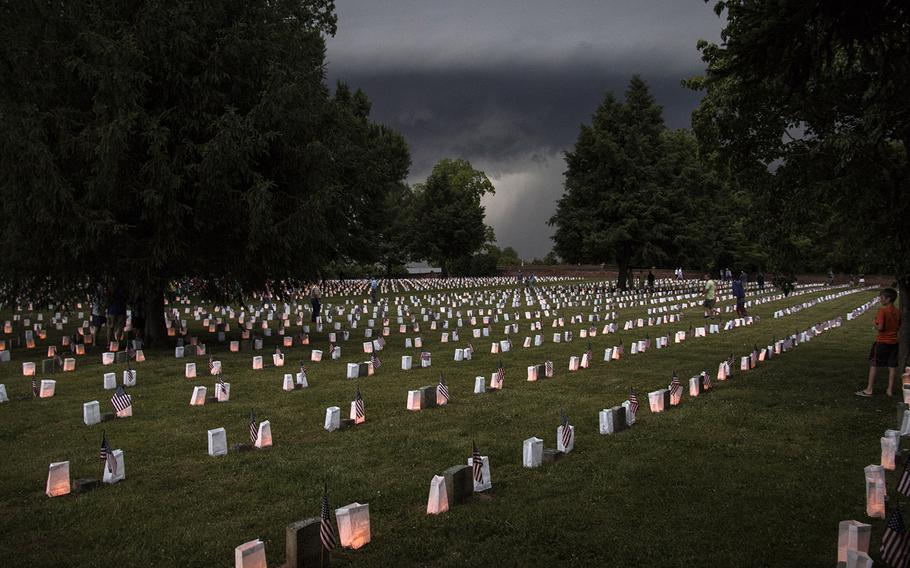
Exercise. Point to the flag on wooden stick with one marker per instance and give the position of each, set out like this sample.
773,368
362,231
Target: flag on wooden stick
895,549
254,428
358,406
106,455
477,464
326,530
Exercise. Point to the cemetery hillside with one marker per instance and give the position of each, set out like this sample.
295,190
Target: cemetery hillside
274,292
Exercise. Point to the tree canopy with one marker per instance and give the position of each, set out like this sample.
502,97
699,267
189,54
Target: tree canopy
634,190
805,107
447,223
141,142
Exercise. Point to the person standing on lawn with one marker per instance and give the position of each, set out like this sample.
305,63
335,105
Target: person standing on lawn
884,350
739,292
710,292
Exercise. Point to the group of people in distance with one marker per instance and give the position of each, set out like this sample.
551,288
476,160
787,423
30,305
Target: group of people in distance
739,292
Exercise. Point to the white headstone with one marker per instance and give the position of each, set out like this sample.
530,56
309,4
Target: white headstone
91,413
532,452
332,418
217,442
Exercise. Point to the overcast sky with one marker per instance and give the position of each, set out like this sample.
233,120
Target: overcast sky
506,84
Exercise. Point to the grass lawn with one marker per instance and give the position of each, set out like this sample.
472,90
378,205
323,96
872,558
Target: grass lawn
758,472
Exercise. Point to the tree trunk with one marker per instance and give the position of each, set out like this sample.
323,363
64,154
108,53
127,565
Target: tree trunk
903,288
155,330
623,278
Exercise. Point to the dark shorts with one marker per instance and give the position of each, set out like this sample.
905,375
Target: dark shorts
710,303
883,355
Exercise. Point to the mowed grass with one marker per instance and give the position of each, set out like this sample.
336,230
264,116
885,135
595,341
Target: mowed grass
758,472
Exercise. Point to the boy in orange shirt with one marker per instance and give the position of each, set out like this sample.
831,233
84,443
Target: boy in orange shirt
884,350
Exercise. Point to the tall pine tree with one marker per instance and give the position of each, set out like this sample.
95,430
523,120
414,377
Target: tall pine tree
616,206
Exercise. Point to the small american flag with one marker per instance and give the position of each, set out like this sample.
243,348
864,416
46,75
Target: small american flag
35,388
425,356
590,353
221,385
903,486
621,348
381,343
500,374
254,427
471,347
106,455
326,530
121,400
303,369
548,369
331,349
477,462
442,388
509,342
895,548
633,402
358,405
706,380
375,360
566,430
674,384
211,365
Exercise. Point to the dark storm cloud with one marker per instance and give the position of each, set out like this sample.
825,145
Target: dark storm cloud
506,85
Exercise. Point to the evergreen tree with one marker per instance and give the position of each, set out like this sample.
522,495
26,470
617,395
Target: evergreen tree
617,205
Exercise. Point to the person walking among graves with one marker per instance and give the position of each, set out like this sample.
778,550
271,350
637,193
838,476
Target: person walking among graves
98,308
651,279
373,285
138,317
760,279
315,299
884,349
116,314
710,292
739,292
